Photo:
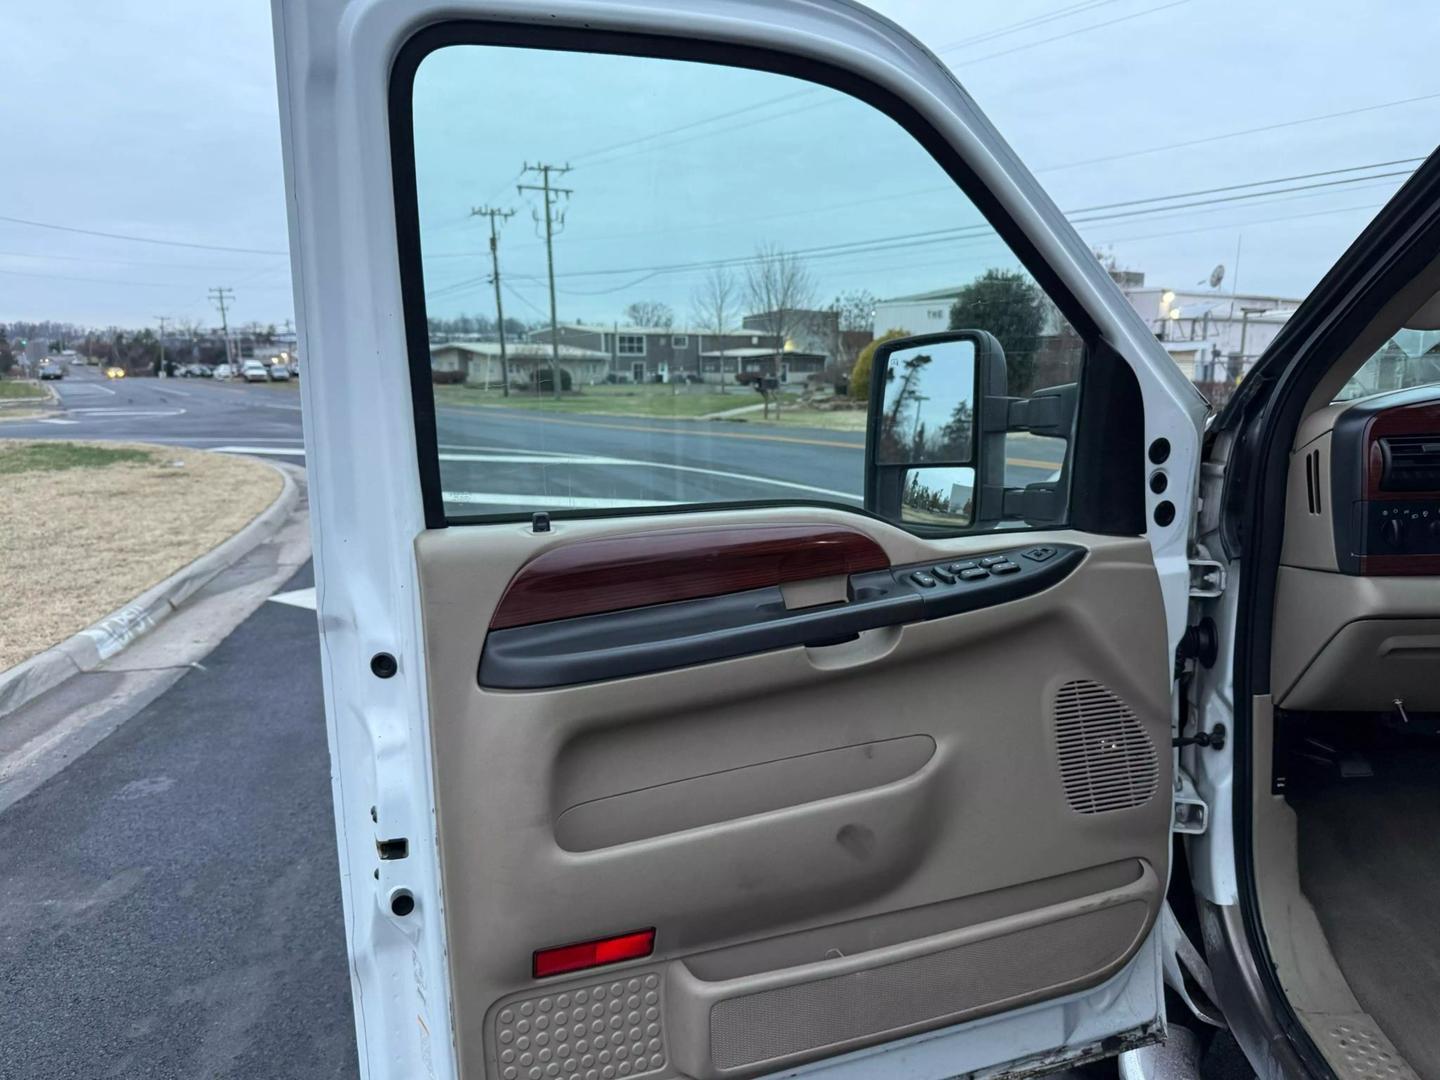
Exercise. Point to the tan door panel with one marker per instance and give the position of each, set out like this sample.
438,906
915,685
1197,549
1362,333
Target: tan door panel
973,807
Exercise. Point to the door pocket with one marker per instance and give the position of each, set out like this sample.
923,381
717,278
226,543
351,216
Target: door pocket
698,801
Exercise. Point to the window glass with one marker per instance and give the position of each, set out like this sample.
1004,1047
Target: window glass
1410,358
723,247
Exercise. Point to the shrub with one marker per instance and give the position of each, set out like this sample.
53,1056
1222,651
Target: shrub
860,373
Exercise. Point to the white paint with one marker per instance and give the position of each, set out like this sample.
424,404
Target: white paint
334,60
57,421
272,451
301,598
548,502
532,459
116,413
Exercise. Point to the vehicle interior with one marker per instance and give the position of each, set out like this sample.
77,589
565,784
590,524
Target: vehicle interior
1346,797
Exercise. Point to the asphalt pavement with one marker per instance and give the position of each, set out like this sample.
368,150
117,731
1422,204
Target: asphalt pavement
507,460
172,901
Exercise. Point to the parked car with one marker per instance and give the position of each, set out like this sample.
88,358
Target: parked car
223,371
51,370
278,373
254,371
195,371
113,372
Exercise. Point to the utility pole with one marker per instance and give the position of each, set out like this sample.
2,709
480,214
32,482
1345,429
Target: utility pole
163,320
220,294
544,186
492,213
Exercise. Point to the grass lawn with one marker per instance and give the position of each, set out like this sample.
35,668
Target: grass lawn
87,528
606,400
14,390
824,420
23,457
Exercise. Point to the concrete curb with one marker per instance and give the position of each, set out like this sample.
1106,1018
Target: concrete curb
97,643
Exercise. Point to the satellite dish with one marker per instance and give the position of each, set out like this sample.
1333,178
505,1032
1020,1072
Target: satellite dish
1217,276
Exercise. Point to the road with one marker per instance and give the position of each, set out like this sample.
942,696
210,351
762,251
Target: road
496,460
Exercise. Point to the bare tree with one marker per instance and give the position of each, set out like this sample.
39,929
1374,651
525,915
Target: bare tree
851,314
715,303
650,313
779,286
781,290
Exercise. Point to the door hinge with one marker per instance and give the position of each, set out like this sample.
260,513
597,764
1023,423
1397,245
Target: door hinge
1207,579
1192,813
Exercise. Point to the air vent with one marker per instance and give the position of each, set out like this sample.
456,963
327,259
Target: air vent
1312,480
1107,761
1411,463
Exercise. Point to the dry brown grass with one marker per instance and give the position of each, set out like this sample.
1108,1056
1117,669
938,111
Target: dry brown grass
77,543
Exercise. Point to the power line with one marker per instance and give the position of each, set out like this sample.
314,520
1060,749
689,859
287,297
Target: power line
983,229
221,295
1237,134
139,239
495,214
659,142
551,194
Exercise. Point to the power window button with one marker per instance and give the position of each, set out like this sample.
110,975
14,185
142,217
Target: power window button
991,560
924,580
944,575
1004,568
974,574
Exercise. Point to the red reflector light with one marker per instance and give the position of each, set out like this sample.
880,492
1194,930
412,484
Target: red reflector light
589,954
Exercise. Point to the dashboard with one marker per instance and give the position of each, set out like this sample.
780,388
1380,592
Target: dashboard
1365,487
1357,612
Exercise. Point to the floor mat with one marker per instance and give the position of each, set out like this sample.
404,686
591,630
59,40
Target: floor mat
1370,865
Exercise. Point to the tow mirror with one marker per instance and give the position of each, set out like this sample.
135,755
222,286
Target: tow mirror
935,435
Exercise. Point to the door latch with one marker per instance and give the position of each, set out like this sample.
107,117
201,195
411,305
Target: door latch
1192,813
1207,579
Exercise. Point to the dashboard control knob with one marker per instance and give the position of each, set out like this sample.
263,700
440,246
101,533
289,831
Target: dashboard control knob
1392,531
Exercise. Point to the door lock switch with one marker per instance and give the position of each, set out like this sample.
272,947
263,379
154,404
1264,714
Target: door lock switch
943,574
1039,554
924,580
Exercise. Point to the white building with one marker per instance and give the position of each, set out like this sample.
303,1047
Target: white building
1213,336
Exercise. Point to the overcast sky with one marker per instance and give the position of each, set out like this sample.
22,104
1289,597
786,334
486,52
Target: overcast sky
159,121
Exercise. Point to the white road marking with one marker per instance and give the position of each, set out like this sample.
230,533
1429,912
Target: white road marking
67,391
564,502
301,598
57,421
577,459
277,451
107,412
170,390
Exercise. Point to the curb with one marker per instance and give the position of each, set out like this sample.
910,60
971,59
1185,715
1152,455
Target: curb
49,403
97,643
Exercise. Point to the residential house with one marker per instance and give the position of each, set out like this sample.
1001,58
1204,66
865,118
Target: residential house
478,362
665,353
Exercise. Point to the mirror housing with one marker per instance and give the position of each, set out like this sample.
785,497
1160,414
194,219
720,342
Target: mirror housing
935,435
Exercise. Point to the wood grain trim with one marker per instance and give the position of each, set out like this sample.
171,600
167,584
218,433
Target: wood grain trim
640,569
1419,419
1400,565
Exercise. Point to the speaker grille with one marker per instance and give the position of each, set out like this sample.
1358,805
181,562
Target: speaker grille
1107,761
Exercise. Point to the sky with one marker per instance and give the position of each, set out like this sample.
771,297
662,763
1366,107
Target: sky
145,121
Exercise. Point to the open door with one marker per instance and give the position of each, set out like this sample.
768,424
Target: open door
675,741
